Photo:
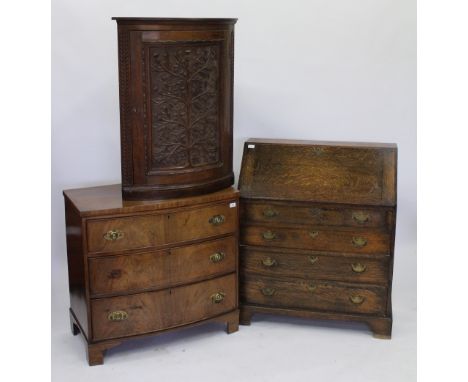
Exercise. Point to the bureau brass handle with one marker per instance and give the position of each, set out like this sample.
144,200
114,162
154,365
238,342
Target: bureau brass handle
217,257
313,234
360,217
118,315
313,259
358,267
217,297
270,213
358,300
359,242
217,219
268,291
269,262
268,235
311,288
113,235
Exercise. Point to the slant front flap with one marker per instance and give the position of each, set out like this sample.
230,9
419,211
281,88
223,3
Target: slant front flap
319,172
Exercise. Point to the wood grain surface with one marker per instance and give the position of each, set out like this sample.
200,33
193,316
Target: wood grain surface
161,269
167,308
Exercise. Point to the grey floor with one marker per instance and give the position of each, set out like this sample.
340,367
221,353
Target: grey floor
271,349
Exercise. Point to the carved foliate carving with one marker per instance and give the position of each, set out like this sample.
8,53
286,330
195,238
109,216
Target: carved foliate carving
184,96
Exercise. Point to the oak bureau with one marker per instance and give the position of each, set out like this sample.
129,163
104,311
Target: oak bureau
317,230
138,268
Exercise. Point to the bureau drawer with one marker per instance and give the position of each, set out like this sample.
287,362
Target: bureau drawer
147,312
148,231
312,215
161,269
349,241
314,266
312,294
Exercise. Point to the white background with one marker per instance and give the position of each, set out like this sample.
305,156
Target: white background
322,69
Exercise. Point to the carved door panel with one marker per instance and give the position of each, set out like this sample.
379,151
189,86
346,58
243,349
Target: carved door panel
180,120
184,87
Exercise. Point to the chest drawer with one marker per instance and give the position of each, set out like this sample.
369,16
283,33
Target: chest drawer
312,215
149,231
333,240
312,294
314,266
160,269
146,312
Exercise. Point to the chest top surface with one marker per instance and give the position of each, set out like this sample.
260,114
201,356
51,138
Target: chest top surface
316,171
101,200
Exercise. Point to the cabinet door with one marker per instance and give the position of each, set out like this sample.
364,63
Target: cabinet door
177,135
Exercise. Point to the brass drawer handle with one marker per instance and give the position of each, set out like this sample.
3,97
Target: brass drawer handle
360,217
118,315
311,288
268,235
269,262
357,300
113,235
358,268
217,220
270,213
217,297
268,291
313,259
217,257
359,242
313,234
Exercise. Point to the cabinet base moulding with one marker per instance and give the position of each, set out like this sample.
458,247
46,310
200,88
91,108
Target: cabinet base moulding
381,327
96,350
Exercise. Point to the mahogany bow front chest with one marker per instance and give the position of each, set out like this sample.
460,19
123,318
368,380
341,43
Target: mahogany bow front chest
140,268
176,106
317,230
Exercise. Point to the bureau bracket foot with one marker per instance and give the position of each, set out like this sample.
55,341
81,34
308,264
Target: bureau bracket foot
245,317
95,352
381,327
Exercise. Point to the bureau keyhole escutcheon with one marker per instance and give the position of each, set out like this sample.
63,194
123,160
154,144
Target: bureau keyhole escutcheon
268,291
313,259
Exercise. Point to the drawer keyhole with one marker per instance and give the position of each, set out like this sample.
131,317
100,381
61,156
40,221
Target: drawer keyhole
115,274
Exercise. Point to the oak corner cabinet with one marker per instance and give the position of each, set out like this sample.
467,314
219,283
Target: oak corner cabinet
141,268
176,79
317,230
